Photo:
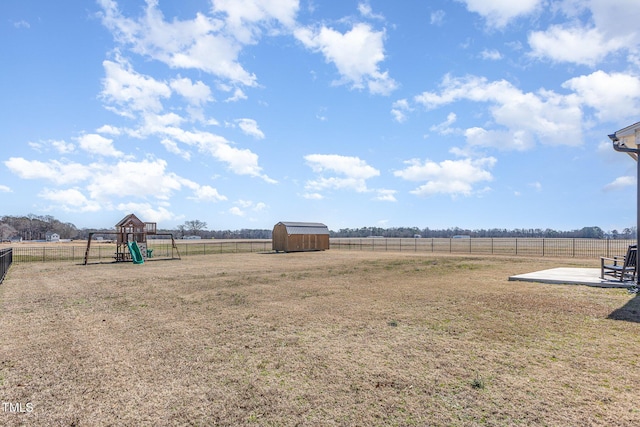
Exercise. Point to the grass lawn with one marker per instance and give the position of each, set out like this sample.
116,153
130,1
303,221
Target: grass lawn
323,338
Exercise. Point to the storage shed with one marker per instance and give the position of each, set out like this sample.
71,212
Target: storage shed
299,236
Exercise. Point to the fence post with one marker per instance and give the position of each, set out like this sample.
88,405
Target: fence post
516,246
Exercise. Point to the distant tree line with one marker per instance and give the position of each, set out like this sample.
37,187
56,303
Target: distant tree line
585,232
37,227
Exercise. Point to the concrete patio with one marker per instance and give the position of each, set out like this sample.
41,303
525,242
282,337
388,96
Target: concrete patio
571,276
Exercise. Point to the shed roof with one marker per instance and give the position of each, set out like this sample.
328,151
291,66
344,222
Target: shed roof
305,227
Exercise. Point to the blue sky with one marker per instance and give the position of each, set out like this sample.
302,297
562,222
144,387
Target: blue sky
243,113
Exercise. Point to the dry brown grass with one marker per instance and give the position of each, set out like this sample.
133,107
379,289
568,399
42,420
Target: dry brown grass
326,338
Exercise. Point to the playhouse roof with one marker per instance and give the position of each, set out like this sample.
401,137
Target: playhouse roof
130,219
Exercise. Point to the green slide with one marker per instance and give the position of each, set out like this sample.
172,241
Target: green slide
134,250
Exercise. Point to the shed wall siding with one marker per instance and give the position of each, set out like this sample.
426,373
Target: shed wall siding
299,238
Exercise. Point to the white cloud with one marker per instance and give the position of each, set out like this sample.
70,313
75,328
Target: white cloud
21,24
71,199
367,12
146,211
444,128
198,44
352,172
250,127
196,93
238,95
134,94
5,189
240,161
138,179
63,147
437,17
453,177
244,203
236,211
206,193
313,196
246,206
544,116
614,96
536,186
129,91
491,54
356,53
613,17
499,13
245,16
500,139
173,148
385,195
57,172
158,123
579,45
109,130
620,183
399,110
97,186
97,144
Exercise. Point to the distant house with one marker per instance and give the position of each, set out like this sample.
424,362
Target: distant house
299,236
52,237
192,238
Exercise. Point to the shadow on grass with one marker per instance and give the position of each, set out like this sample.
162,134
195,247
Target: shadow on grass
629,312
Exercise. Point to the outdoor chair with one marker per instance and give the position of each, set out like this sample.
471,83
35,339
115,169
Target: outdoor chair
620,267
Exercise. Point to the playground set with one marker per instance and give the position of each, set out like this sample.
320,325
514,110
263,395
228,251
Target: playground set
131,240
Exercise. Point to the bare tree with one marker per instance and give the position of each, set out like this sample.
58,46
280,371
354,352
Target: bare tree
7,231
194,227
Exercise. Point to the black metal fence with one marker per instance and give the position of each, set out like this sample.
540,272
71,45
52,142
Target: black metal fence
105,252
6,258
532,247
